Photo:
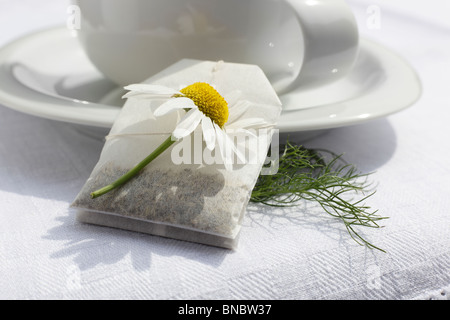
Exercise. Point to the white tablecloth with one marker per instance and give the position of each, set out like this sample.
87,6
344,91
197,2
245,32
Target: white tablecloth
283,254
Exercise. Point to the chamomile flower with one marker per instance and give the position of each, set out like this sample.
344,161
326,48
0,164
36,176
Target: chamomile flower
204,107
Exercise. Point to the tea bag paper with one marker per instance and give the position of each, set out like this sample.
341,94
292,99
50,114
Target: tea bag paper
180,195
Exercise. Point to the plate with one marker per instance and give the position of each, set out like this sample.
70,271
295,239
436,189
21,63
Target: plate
47,74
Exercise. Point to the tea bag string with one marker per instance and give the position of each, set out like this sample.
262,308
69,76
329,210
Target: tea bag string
136,134
143,134
217,67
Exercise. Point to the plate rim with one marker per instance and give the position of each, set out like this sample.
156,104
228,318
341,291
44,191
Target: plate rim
102,115
413,83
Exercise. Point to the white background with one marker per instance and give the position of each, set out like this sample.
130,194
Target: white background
283,254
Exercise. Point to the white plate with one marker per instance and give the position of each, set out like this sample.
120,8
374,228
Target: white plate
47,74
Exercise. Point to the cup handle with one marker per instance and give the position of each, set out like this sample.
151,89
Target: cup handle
331,41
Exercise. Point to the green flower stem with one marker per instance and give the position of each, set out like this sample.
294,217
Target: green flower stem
133,172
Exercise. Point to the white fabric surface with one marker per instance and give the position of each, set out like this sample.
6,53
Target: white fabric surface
283,254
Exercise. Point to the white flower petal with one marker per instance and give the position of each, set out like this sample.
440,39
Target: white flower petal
142,89
237,110
226,144
188,124
173,105
146,96
238,153
249,123
209,133
224,148
241,132
233,97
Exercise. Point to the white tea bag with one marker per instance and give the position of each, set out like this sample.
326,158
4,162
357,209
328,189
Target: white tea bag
187,192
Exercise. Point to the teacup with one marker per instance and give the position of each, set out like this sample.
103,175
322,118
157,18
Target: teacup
297,43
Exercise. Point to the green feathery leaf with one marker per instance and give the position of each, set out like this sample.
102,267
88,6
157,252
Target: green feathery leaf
323,177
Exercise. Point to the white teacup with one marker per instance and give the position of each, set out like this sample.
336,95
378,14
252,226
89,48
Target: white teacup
296,42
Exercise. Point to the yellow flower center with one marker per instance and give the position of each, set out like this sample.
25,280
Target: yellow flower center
208,101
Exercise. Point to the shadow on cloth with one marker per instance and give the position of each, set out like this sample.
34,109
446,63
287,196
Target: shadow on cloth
91,245
368,146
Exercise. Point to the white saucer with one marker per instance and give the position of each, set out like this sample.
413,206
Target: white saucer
47,74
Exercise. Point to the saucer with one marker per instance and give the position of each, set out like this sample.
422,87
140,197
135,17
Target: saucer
47,74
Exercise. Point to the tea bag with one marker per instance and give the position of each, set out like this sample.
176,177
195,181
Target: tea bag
187,192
